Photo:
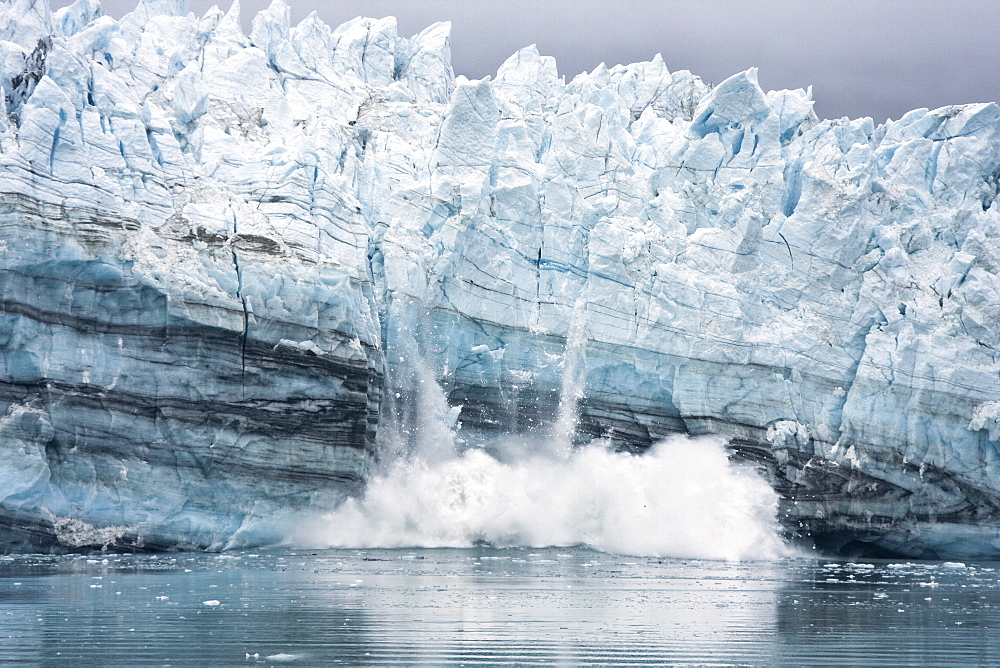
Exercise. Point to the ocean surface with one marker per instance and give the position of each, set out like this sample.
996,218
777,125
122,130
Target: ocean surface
488,606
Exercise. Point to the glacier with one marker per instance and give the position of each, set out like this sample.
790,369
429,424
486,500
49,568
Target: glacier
230,260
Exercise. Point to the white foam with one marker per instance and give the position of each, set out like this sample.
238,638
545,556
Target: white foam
684,498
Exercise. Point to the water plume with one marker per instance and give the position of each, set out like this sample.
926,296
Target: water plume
683,498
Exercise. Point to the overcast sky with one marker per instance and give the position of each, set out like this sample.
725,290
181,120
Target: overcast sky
876,58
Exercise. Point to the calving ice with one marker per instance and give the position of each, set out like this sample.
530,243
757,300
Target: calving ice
243,274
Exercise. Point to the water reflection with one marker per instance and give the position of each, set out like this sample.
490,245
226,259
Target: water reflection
485,606
891,612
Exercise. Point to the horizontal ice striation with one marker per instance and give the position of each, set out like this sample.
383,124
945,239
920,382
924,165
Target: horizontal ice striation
190,349
213,242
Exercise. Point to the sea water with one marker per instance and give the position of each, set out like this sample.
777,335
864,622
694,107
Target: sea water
483,606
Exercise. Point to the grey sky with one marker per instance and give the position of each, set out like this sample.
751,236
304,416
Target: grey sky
875,58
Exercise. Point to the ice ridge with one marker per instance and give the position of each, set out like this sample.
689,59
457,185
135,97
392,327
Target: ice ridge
221,250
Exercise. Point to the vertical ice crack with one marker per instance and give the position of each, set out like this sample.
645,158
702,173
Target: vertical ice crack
538,279
852,374
246,311
789,247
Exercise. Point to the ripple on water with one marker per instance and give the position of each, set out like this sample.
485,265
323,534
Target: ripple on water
570,606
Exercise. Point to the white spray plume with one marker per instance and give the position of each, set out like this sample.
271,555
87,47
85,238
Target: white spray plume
683,498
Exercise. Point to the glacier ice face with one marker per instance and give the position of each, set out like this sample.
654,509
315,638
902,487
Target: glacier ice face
216,245
183,358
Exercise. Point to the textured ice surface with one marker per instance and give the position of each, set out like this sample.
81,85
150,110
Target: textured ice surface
214,244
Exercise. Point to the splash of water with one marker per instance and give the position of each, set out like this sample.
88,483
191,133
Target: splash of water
419,423
571,392
683,499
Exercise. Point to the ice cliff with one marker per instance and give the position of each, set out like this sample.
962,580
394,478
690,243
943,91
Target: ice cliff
223,255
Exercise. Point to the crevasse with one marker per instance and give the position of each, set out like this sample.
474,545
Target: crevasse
219,250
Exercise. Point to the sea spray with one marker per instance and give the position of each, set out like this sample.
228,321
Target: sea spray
573,381
419,421
683,498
